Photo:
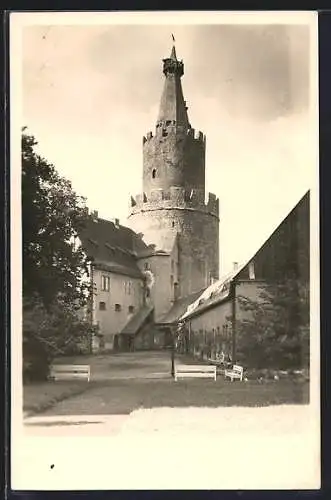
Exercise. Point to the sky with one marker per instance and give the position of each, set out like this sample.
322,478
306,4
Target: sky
90,93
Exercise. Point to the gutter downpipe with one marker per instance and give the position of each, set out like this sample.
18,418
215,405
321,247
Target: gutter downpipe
92,305
233,320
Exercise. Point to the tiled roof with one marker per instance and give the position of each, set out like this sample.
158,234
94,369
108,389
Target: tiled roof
137,321
215,293
178,309
112,246
220,290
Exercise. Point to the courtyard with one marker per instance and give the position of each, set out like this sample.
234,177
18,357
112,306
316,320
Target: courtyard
125,382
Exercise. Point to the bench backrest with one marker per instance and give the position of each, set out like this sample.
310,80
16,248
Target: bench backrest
78,371
195,368
237,369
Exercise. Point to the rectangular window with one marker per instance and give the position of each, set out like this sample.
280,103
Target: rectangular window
176,291
102,306
131,309
105,283
118,307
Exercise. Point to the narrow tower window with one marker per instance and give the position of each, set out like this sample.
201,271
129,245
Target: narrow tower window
154,173
105,283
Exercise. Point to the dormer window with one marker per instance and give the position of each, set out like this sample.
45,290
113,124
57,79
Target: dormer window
251,270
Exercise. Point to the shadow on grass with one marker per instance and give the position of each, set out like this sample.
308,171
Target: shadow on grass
39,397
124,396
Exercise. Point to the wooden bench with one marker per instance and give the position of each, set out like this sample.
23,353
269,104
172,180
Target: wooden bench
235,372
68,372
195,371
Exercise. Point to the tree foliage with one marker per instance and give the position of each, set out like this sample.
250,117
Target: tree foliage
56,331
52,216
275,330
55,269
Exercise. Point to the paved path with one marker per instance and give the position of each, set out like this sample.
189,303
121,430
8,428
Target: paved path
132,365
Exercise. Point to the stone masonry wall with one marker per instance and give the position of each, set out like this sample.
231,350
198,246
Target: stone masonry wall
173,158
197,227
125,291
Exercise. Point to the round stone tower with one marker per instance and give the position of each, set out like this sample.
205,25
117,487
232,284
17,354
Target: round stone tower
171,213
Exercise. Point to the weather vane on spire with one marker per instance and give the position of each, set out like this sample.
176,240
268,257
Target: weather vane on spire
173,38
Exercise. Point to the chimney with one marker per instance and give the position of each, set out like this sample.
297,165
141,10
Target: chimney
94,215
251,270
235,266
116,223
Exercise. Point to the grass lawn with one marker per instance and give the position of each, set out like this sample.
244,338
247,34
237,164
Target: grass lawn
124,396
40,396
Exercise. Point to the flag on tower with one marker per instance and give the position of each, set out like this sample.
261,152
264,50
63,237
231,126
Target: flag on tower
173,38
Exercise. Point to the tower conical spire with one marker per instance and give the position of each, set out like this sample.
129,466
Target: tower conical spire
173,108
173,53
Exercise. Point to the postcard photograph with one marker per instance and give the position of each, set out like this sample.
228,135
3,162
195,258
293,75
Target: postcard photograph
164,251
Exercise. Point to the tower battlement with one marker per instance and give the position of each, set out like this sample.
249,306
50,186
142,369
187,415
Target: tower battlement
168,129
196,135
147,137
175,198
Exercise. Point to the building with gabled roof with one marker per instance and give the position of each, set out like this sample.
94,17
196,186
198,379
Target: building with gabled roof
170,249
209,322
163,269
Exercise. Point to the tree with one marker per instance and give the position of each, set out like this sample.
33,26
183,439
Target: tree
50,333
274,332
55,269
52,217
